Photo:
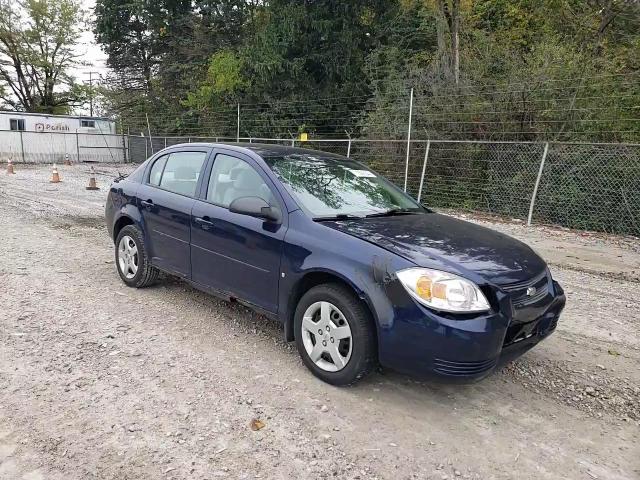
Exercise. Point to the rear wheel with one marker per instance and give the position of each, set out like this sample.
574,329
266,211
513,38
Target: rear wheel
132,261
335,334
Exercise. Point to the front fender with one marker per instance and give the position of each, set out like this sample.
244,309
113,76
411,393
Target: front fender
315,249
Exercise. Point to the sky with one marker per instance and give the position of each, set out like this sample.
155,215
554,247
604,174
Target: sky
91,54
89,49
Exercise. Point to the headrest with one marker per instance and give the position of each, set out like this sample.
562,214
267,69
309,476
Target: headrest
184,173
247,180
235,171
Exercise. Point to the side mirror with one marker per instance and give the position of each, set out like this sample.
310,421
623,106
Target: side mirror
255,207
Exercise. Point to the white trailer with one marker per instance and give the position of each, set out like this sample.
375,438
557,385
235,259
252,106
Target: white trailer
41,138
42,123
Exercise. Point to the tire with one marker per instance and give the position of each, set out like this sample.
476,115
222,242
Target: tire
357,357
145,274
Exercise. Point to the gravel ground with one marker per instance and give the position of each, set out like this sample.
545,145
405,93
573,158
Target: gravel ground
101,381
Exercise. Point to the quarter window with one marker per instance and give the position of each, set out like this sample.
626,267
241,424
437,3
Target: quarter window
181,172
156,170
16,124
233,178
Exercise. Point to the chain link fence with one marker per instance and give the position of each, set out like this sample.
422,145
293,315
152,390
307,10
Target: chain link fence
576,185
586,186
591,187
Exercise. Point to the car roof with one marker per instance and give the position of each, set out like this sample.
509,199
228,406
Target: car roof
262,149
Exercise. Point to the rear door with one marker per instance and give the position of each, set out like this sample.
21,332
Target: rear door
165,200
233,253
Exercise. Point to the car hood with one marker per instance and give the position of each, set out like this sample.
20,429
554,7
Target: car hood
439,241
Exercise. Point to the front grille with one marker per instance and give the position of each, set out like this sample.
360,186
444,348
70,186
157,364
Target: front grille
518,332
520,294
448,367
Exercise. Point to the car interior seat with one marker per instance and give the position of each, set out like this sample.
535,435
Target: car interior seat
247,183
184,181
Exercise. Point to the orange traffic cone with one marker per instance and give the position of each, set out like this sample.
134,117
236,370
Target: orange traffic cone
10,170
67,161
92,181
55,177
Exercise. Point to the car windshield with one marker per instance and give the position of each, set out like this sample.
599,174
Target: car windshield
328,186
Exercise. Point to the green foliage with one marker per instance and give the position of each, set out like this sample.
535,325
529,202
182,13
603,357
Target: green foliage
224,79
529,69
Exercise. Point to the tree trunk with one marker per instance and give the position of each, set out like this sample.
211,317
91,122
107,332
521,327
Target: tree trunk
455,39
451,15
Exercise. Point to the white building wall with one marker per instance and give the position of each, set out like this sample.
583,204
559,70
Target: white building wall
35,147
56,123
47,139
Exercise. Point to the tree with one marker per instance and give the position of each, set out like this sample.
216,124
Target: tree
37,52
130,32
158,51
303,52
450,11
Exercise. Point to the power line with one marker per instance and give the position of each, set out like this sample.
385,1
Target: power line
91,91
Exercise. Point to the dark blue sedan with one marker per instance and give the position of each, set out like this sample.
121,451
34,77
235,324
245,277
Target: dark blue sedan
358,272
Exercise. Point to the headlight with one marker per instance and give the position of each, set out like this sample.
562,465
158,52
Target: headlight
443,291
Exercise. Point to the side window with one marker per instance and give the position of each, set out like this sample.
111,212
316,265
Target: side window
16,124
233,178
181,172
156,170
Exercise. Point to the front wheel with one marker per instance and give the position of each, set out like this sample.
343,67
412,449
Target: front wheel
335,334
132,260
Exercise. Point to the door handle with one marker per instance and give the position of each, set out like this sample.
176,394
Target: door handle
204,222
147,203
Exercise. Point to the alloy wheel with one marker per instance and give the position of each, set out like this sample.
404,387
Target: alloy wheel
326,336
128,256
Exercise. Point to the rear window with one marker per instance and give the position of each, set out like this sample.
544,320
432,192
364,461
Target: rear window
181,172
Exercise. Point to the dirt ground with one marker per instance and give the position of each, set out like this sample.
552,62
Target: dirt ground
101,381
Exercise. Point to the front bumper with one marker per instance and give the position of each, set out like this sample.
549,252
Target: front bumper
426,344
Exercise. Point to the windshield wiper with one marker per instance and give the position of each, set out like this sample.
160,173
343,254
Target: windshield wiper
394,211
121,176
339,216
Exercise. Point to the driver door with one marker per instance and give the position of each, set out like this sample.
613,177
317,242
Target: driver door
233,253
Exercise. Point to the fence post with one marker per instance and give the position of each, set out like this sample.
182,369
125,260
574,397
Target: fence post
537,184
124,142
424,168
149,130
406,167
125,155
348,144
78,145
22,148
238,127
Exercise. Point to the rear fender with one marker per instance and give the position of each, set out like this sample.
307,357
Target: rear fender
130,214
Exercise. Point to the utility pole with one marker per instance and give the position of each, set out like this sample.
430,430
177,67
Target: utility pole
90,82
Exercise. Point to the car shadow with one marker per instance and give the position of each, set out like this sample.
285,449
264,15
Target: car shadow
380,383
